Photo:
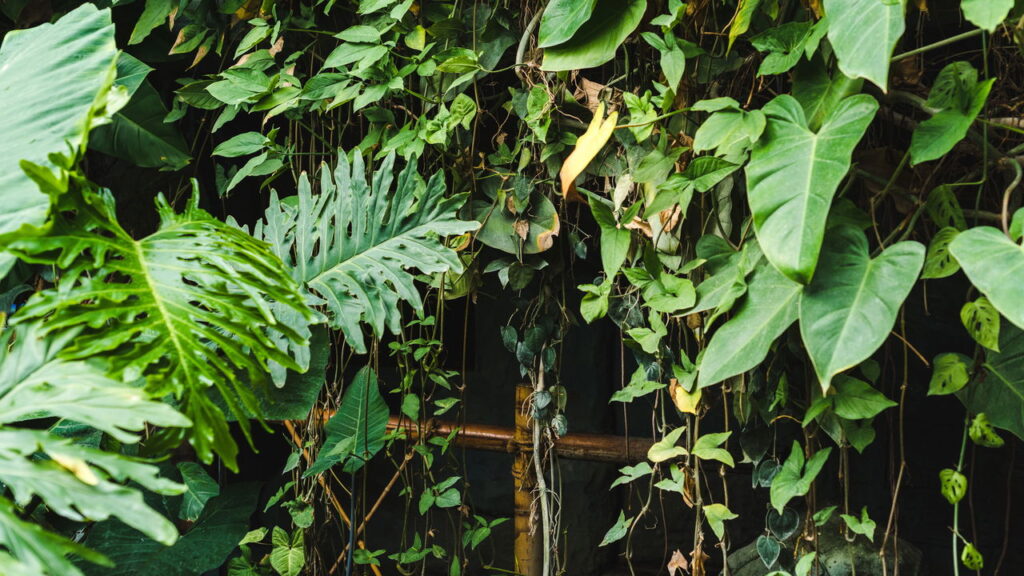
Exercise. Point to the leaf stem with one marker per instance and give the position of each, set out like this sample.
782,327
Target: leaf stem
939,44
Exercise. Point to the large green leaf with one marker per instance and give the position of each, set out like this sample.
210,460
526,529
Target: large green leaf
204,547
52,82
994,263
987,14
74,481
849,309
793,175
187,307
561,19
595,43
138,133
936,136
354,245
742,343
356,432
864,34
999,392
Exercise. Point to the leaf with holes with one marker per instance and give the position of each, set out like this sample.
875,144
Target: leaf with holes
981,320
952,484
994,264
950,373
938,262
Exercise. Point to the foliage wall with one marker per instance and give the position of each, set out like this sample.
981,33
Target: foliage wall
221,217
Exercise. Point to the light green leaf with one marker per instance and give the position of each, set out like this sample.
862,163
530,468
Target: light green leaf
994,263
863,525
561,20
793,175
354,245
614,239
631,473
864,34
596,42
153,15
708,447
741,20
288,556
850,308
666,449
795,476
983,434
981,320
770,307
952,484
618,531
938,262
972,558
936,136
56,76
987,14
950,373
361,421
717,514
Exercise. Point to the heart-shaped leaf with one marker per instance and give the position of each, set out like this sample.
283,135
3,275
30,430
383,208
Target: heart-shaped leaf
768,549
950,373
793,175
849,309
994,264
953,485
863,34
981,320
783,525
986,14
743,342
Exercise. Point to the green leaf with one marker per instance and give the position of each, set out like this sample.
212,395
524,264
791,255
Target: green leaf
241,145
618,531
354,245
638,386
138,133
805,564
768,550
153,15
972,558
360,33
614,240
196,305
287,557
936,136
741,20
994,264
850,308
561,20
730,130
201,487
360,422
864,34
204,547
950,373
631,473
770,307
987,14
938,262
856,399
666,449
952,484
717,514
793,175
819,89
62,72
596,42
999,394
795,477
981,320
708,447
35,551
983,434
863,525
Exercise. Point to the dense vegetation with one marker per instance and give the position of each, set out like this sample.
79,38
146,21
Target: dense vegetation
221,217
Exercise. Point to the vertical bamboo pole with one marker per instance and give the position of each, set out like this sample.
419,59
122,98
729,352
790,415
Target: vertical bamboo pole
527,543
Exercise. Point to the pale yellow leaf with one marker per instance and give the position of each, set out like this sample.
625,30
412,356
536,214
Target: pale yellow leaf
587,147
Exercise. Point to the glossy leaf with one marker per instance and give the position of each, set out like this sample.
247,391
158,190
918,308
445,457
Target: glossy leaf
864,34
561,20
596,42
849,309
62,72
793,175
994,264
770,307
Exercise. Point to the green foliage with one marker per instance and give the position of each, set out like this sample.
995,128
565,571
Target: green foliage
594,42
796,475
356,431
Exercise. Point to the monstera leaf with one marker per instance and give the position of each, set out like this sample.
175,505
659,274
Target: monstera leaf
863,34
849,309
74,481
190,307
355,244
51,76
793,175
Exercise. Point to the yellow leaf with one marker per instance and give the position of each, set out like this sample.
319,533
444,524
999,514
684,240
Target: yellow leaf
686,402
587,147
78,467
